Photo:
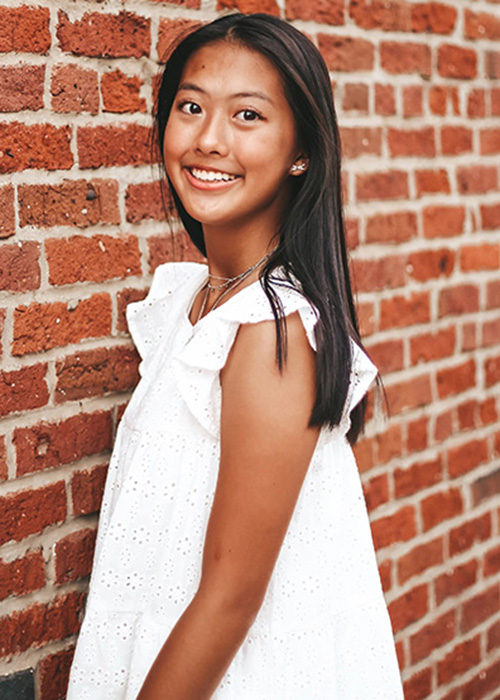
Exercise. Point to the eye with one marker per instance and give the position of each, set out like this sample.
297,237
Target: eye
188,107
249,115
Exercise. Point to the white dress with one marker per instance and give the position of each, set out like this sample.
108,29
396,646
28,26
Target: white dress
323,631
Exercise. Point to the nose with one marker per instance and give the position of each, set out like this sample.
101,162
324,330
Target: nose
212,137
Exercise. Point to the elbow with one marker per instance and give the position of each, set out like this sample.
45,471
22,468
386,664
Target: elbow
240,602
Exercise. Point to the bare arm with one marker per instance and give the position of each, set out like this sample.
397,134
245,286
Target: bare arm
266,447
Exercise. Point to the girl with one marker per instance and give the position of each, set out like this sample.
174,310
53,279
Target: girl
234,559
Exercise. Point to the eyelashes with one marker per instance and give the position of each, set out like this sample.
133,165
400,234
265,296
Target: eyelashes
192,108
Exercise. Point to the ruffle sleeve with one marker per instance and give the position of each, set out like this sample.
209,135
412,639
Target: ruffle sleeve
197,366
151,320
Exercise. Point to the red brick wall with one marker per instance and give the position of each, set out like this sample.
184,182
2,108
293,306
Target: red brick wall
417,87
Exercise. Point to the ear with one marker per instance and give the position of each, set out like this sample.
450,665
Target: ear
300,166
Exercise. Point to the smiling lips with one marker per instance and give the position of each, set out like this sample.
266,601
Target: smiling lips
209,179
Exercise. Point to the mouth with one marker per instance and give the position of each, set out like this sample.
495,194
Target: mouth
205,178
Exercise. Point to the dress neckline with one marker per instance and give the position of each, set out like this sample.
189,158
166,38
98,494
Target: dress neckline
200,283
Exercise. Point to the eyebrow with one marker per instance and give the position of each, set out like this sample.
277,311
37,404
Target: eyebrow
246,93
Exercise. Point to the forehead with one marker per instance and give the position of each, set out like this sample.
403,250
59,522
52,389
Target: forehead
229,67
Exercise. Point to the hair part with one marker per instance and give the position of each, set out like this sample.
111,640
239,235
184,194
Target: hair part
315,212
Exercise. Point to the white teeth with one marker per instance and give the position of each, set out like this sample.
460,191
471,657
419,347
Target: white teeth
211,175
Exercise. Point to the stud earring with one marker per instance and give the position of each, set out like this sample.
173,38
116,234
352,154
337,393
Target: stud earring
298,168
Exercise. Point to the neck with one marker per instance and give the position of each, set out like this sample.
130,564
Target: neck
231,252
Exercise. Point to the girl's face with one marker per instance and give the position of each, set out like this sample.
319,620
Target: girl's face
230,139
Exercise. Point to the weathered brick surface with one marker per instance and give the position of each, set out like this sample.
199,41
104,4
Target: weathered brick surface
39,146
74,555
81,259
83,227
39,327
78,203
49,445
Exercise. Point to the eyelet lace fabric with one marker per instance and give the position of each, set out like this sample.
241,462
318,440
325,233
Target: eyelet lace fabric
323,631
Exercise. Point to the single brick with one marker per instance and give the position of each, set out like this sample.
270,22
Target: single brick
393,227
455,581
433,17
23,389
72,203
490,142
455,140
433,346
492,370
19,268
431,264
387,272
268,6
417,477
382,185
103,146
87,488
455,380
124,298
443,221
346,54
389,444
144,201
490,216
322,11
39,327
441,506
24,29
466,457
413,105
73,555
392,16
23,575
47,445
28,512
477,179
74,89
356,97
7,214
399,527
96,372
412,142
431,182
481,25
81,259
121,93
105,35
492,64
408,395
405,58
486,487
385,100
41,623
21,87
479,608
359,141
403,311
40,146
462,299
480,257
457,62
476,104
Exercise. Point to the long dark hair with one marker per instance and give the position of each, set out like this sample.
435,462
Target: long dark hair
311,248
